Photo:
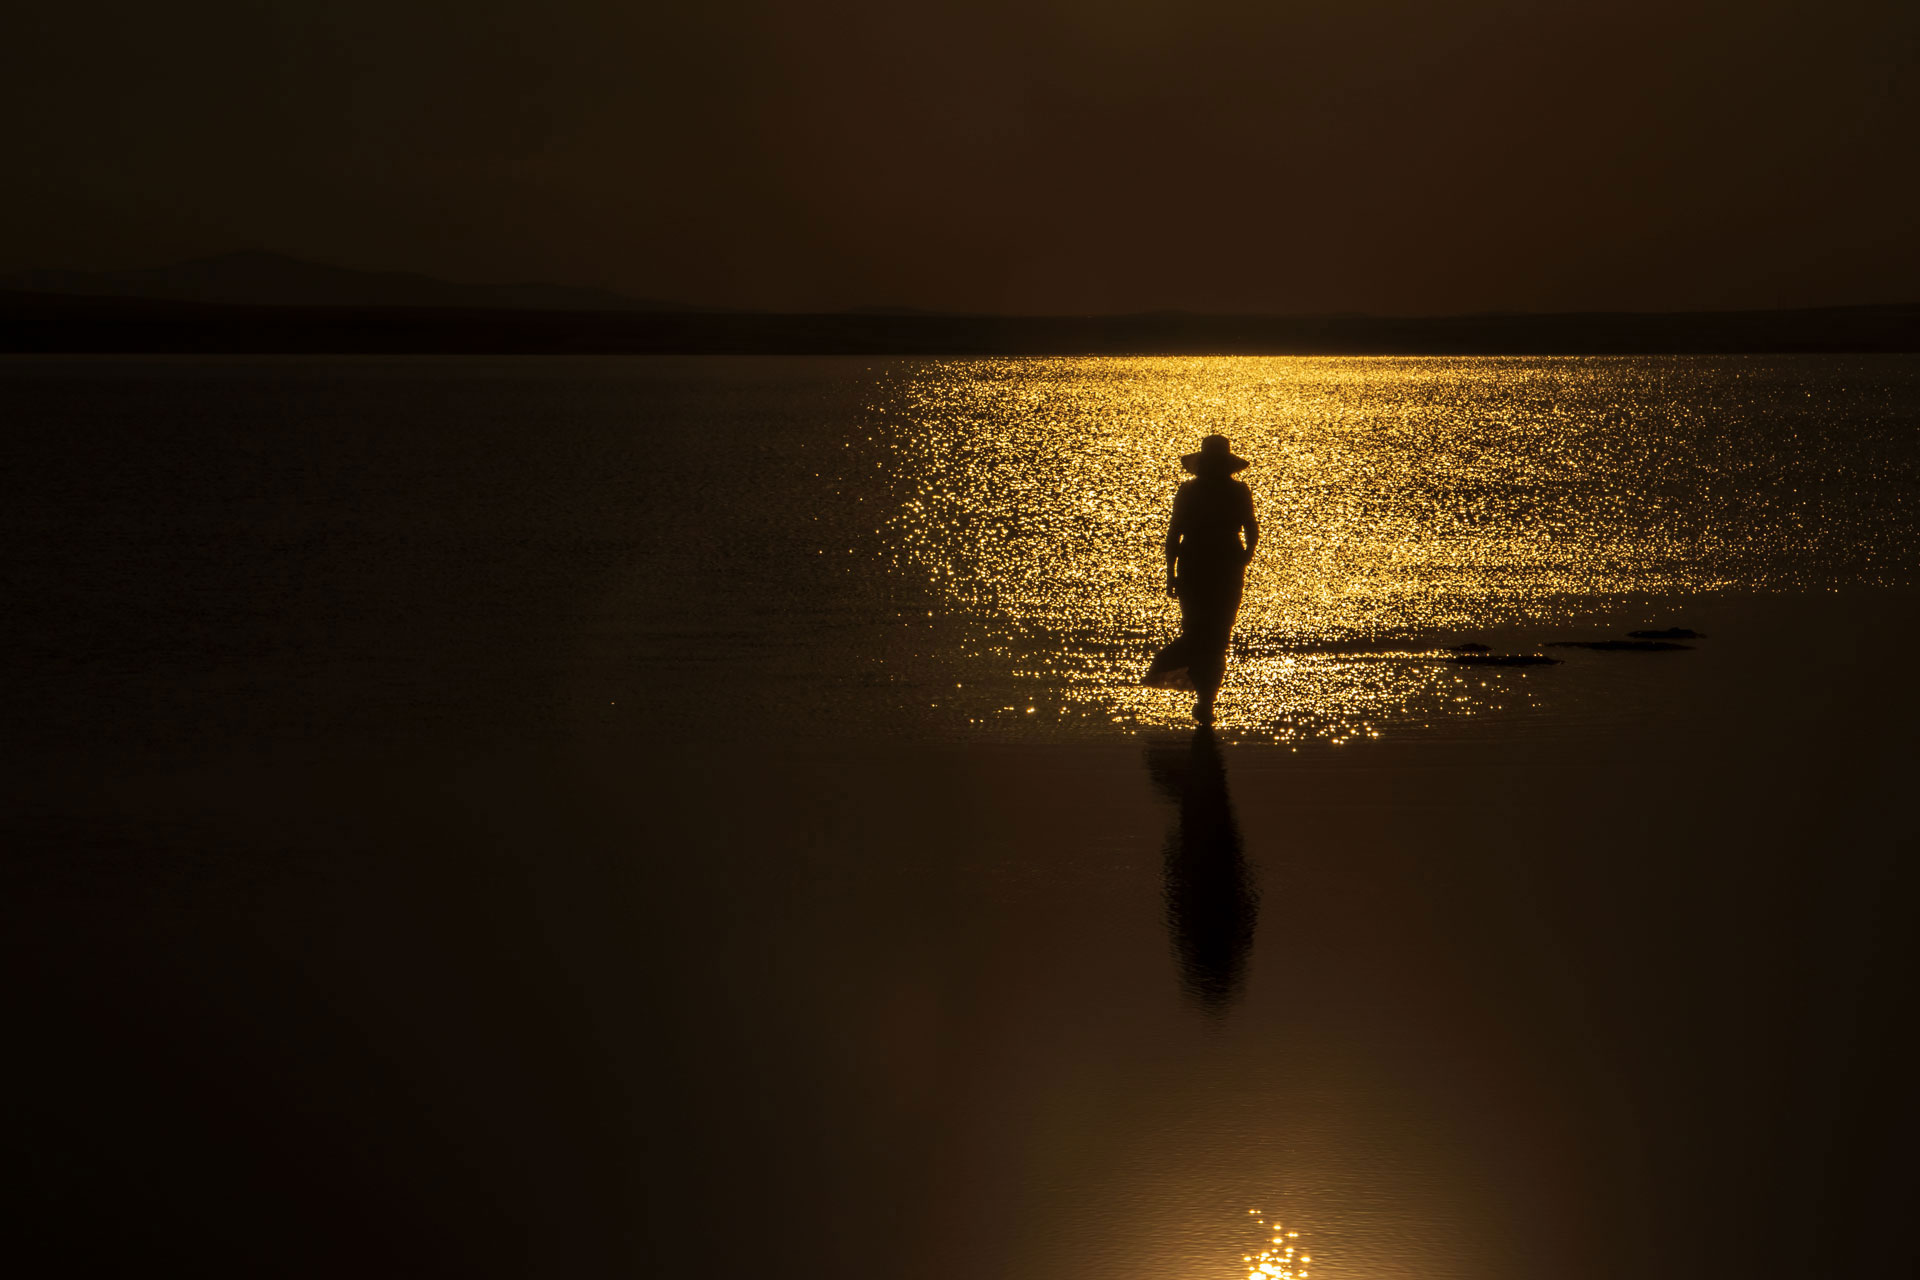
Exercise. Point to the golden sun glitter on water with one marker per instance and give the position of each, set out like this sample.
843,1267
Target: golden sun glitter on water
1282,1256
1404,504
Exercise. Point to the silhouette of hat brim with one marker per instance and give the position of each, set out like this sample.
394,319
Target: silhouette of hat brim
1220,461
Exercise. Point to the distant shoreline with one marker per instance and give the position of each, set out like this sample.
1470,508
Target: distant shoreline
39,323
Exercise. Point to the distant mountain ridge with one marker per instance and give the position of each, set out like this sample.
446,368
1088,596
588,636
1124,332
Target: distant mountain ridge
275,280
47,322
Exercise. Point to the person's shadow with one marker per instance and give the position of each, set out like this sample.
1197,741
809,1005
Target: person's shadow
1212,905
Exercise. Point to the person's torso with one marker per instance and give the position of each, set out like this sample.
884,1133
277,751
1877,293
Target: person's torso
1212,513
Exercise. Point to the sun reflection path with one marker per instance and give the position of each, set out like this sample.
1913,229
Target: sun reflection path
1283,1257
1404,503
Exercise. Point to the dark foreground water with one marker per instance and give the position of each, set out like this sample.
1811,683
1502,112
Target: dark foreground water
695,817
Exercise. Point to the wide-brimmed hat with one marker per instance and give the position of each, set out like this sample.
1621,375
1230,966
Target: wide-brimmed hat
1214,455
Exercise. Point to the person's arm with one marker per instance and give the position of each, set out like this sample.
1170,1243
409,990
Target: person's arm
1251,525
1174,527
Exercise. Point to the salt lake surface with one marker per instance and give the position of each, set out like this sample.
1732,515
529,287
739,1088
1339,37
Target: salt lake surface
654,816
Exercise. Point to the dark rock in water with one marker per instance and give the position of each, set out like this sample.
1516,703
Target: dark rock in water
1619,646
1671,633
1469,648
1479,657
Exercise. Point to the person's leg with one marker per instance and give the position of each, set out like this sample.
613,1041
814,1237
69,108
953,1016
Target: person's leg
1207,634
1211,628
1208,675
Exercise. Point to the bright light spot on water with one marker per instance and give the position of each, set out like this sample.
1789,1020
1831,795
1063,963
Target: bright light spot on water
1276,1261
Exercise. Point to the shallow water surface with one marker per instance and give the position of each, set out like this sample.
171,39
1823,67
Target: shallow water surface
545,817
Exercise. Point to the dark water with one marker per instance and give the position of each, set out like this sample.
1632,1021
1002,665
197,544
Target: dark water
584,818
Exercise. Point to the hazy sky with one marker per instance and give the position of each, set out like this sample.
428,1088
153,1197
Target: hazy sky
1038,156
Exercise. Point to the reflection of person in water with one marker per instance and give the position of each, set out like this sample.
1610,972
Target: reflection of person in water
1211,904
1206,570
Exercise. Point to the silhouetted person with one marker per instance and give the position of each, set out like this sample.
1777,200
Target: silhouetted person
1211,903
1206,571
